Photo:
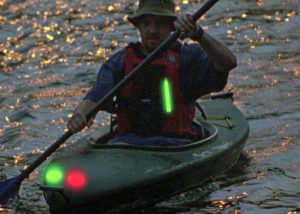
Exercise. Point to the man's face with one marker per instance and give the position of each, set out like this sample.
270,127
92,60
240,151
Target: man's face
154,30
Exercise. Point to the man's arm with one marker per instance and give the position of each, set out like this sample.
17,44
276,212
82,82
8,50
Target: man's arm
106,80
221,56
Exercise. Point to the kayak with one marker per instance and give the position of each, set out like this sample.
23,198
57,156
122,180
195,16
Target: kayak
91,176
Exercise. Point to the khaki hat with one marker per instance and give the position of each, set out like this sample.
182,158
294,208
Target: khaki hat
153,7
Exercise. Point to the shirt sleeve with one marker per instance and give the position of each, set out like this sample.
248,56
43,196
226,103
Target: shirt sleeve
198,74
107,78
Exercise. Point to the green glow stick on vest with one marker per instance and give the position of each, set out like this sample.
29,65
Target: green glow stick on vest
167,96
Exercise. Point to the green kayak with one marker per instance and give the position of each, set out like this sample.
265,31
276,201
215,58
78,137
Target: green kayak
92,177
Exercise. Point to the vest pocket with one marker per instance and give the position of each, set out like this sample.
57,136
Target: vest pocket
145,115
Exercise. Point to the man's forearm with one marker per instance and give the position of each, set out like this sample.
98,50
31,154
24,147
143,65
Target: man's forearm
220,54
84,107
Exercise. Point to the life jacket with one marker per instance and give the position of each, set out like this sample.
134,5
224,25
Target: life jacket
142,104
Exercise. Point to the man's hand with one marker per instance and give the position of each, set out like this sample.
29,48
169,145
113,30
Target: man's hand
78,120
77,123
187,27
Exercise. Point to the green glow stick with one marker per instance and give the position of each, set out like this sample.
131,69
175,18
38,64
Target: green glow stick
167,96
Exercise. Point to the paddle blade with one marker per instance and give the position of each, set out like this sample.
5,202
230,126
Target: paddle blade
9,189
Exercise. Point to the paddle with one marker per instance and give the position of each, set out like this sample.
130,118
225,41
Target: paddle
10,187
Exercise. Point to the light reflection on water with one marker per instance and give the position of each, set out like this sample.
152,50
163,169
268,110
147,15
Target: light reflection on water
51,50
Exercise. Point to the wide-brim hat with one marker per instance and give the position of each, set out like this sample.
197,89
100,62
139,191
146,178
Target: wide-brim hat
153,7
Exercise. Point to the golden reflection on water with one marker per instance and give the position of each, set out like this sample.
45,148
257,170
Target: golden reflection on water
17,159
231,201
260,2
260,36
5,209
44,33
296,70
53,33
59,92
2,3
264,153
45,80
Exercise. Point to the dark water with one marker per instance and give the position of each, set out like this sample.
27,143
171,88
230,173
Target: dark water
50,51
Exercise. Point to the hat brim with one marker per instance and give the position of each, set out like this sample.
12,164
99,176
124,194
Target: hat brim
133,19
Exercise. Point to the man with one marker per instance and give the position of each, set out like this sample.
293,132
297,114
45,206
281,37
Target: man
185,71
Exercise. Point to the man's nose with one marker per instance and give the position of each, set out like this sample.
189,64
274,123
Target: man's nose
153,28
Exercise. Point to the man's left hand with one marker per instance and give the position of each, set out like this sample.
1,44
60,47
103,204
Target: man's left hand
186,26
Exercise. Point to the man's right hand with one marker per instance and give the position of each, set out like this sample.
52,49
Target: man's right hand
78,120
77,123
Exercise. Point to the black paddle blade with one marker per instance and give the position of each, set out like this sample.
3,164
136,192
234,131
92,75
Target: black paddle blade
9,189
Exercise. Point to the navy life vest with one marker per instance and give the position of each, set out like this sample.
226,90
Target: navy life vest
141,105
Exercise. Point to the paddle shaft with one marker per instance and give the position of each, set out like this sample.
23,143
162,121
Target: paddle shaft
172,38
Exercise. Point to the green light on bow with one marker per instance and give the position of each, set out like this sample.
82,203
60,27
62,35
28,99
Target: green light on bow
54,175
167,96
